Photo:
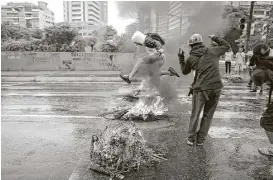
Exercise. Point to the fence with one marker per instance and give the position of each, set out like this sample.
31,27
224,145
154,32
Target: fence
81,61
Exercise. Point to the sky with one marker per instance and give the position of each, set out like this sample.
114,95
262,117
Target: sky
57,7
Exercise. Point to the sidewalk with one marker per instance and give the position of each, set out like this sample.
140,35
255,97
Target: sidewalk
60,76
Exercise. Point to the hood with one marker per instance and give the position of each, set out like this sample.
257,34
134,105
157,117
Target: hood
198,51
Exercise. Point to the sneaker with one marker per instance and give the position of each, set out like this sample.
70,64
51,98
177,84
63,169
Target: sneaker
173,72
190,143
200,143
125,78
253,90
266,151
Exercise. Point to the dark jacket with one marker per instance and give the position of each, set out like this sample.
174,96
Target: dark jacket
261,62
208,74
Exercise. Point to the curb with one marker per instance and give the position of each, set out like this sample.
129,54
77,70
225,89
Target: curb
64,79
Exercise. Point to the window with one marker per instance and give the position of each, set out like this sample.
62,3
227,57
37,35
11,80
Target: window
84,34
76,5
267,13
79,28
35,14
12,14
76,10
259,12
91,10
76,20
80,34
76,15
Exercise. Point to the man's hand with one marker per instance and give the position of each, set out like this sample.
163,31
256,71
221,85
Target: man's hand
159,52
181,56
211,36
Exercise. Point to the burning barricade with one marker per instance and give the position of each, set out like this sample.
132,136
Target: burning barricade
149,106
121,148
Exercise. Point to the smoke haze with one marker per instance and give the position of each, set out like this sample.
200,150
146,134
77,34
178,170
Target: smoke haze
204,18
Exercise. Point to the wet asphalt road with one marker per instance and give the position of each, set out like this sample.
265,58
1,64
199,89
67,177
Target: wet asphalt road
46,130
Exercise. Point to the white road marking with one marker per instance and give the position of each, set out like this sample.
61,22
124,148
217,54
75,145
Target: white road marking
53,116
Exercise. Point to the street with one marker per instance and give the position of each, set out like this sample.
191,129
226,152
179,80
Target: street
47,128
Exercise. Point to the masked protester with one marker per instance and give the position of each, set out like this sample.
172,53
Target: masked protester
262,60
154,46
206,88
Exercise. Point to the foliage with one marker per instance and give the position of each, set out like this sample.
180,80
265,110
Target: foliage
10,31
60,33
92,41
126,44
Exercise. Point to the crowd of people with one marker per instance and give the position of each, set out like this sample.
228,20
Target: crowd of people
207,83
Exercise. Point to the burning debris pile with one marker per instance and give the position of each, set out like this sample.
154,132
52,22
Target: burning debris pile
148,108
121,148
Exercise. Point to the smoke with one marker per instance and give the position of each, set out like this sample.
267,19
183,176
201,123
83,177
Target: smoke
204,18
209,20
129,9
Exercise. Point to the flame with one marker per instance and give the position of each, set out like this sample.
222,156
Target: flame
147,104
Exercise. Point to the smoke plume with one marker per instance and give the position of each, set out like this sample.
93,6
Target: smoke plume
128,9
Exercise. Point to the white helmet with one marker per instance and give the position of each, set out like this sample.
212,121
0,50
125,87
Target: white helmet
138,38
195,38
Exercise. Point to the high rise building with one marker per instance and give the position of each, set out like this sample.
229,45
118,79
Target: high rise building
28,14
104,12
85,16
131,29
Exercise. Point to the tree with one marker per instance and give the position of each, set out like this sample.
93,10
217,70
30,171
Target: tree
60,34
126,44
15,32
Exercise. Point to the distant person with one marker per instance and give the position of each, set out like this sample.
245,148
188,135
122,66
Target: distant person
207,84
154,46
239,61
228,60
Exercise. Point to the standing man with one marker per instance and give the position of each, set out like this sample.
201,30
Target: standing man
207,84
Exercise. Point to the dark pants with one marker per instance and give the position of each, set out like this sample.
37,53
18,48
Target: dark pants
228,67
198,128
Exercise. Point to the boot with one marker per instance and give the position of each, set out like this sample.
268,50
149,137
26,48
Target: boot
125,78
173,72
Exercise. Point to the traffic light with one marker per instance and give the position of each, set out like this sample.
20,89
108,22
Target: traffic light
242,23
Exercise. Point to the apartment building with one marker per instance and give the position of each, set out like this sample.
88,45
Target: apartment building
85,16
28,15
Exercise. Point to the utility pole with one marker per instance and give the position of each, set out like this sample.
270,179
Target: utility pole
249,24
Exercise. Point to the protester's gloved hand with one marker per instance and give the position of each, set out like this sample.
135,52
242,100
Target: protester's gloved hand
211,36
181,56
160,51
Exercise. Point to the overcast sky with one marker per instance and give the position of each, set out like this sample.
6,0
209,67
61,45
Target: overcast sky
57,7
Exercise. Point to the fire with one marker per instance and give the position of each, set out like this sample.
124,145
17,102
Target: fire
148,104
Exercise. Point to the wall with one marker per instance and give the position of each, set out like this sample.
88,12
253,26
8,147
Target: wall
50,61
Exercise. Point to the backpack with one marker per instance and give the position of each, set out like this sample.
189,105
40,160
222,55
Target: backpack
155,36
266,120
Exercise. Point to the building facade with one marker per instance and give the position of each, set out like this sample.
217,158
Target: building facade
28,15
85,16
104,12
